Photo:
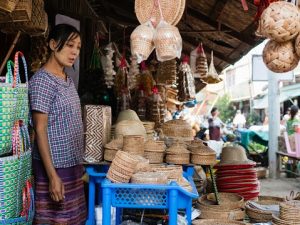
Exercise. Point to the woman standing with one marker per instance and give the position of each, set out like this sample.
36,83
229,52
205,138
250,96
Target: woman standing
293,122
57,122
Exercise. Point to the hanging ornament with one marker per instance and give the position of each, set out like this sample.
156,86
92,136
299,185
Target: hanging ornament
146,79
186,82
156,108
108,67
201,62
133,73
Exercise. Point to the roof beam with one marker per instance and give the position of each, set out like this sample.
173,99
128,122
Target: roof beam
217,9
240,36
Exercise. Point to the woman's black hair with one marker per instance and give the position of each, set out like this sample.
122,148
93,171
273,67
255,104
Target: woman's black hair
213,110
61,33
294,111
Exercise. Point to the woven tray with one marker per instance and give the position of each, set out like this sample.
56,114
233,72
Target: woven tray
228,201
262,216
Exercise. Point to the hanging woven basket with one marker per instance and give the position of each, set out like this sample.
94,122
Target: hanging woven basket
280,57
280,21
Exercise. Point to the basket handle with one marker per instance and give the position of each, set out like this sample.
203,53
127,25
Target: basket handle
20,140
9,74
17,78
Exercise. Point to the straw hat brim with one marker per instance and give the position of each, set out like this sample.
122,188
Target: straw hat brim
172,10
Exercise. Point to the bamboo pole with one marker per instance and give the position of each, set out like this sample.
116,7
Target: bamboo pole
10,51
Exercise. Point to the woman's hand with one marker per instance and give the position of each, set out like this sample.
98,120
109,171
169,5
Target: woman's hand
56,189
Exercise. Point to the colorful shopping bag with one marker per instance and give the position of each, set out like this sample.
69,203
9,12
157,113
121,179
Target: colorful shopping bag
15,171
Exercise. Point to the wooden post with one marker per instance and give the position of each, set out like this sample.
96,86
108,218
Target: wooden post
10,51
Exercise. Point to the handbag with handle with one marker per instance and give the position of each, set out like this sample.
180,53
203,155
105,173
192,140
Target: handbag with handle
15,171
8,101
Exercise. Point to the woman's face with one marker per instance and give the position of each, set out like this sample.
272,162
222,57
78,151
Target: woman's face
69,53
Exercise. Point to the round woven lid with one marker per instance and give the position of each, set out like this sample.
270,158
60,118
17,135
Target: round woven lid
147,9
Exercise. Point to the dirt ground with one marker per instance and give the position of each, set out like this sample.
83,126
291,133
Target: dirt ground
279,187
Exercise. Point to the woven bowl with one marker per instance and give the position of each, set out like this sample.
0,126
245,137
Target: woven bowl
262,216
227,214
280,21
228,201
280,57
141,41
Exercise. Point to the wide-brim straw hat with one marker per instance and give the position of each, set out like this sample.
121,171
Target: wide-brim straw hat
234,155
172,10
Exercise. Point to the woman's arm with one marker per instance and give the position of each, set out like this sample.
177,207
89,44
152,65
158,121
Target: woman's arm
56,187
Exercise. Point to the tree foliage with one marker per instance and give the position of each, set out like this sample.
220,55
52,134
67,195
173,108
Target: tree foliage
225,108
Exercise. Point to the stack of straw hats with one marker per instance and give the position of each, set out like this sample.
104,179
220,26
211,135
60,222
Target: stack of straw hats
289,214
231,206
236,173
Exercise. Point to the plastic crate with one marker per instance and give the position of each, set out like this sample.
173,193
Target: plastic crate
146,196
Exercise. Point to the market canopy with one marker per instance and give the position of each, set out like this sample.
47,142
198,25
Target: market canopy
221,25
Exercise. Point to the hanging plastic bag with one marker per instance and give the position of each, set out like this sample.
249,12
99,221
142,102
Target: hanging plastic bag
213,76
167,41
141,41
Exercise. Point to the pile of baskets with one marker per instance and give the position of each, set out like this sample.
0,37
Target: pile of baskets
231,206
289,213
259,215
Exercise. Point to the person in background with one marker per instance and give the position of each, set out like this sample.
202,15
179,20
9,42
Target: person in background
214,125
293,123
239,121
286,117
57,123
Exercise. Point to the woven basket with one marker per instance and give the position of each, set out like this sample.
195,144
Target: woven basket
178,129
154,146
262,216
7,6
228,201
167,41
278,221
180,159
149,178
289,211
297,45
280,57
122,167
154,157
133,144
109,154
142,165
22,12
172,10
280,21
209,213
141,41
216,222
38,24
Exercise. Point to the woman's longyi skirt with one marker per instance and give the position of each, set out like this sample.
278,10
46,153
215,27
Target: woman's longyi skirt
70,212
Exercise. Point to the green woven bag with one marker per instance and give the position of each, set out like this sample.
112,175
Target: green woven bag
7,109
15,170
22,108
